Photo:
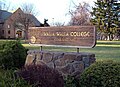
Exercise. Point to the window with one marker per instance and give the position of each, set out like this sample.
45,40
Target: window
2,31
19,13
8,31
8,26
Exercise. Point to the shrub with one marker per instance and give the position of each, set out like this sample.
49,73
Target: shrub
12,54
71,81
41,76
101,74
7,79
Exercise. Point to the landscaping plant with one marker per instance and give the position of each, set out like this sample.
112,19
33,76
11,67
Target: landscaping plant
71,81
41,76
101,74
12,54
8,79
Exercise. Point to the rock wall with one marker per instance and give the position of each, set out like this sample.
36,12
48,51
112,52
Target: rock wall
68,63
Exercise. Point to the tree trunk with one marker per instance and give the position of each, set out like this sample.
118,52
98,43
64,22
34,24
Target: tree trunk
26,34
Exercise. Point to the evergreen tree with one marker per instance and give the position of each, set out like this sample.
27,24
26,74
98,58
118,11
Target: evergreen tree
106,16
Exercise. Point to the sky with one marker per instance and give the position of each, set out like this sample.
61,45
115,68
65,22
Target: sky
53,10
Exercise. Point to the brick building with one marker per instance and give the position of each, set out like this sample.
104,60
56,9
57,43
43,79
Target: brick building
13,25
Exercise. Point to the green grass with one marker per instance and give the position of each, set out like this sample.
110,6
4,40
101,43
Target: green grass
104,50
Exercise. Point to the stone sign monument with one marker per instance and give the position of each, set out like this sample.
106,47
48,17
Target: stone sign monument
67,63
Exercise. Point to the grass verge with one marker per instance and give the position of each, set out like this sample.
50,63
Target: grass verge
104,50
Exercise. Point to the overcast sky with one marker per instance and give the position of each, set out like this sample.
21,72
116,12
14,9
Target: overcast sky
53,10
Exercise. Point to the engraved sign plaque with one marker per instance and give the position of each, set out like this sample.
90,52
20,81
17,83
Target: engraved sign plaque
65,36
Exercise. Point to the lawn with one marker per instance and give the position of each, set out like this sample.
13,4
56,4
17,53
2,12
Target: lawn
104,50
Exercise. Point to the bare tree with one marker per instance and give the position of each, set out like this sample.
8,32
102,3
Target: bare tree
81,14
29,8
59,24
27,19
4,6
23,22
